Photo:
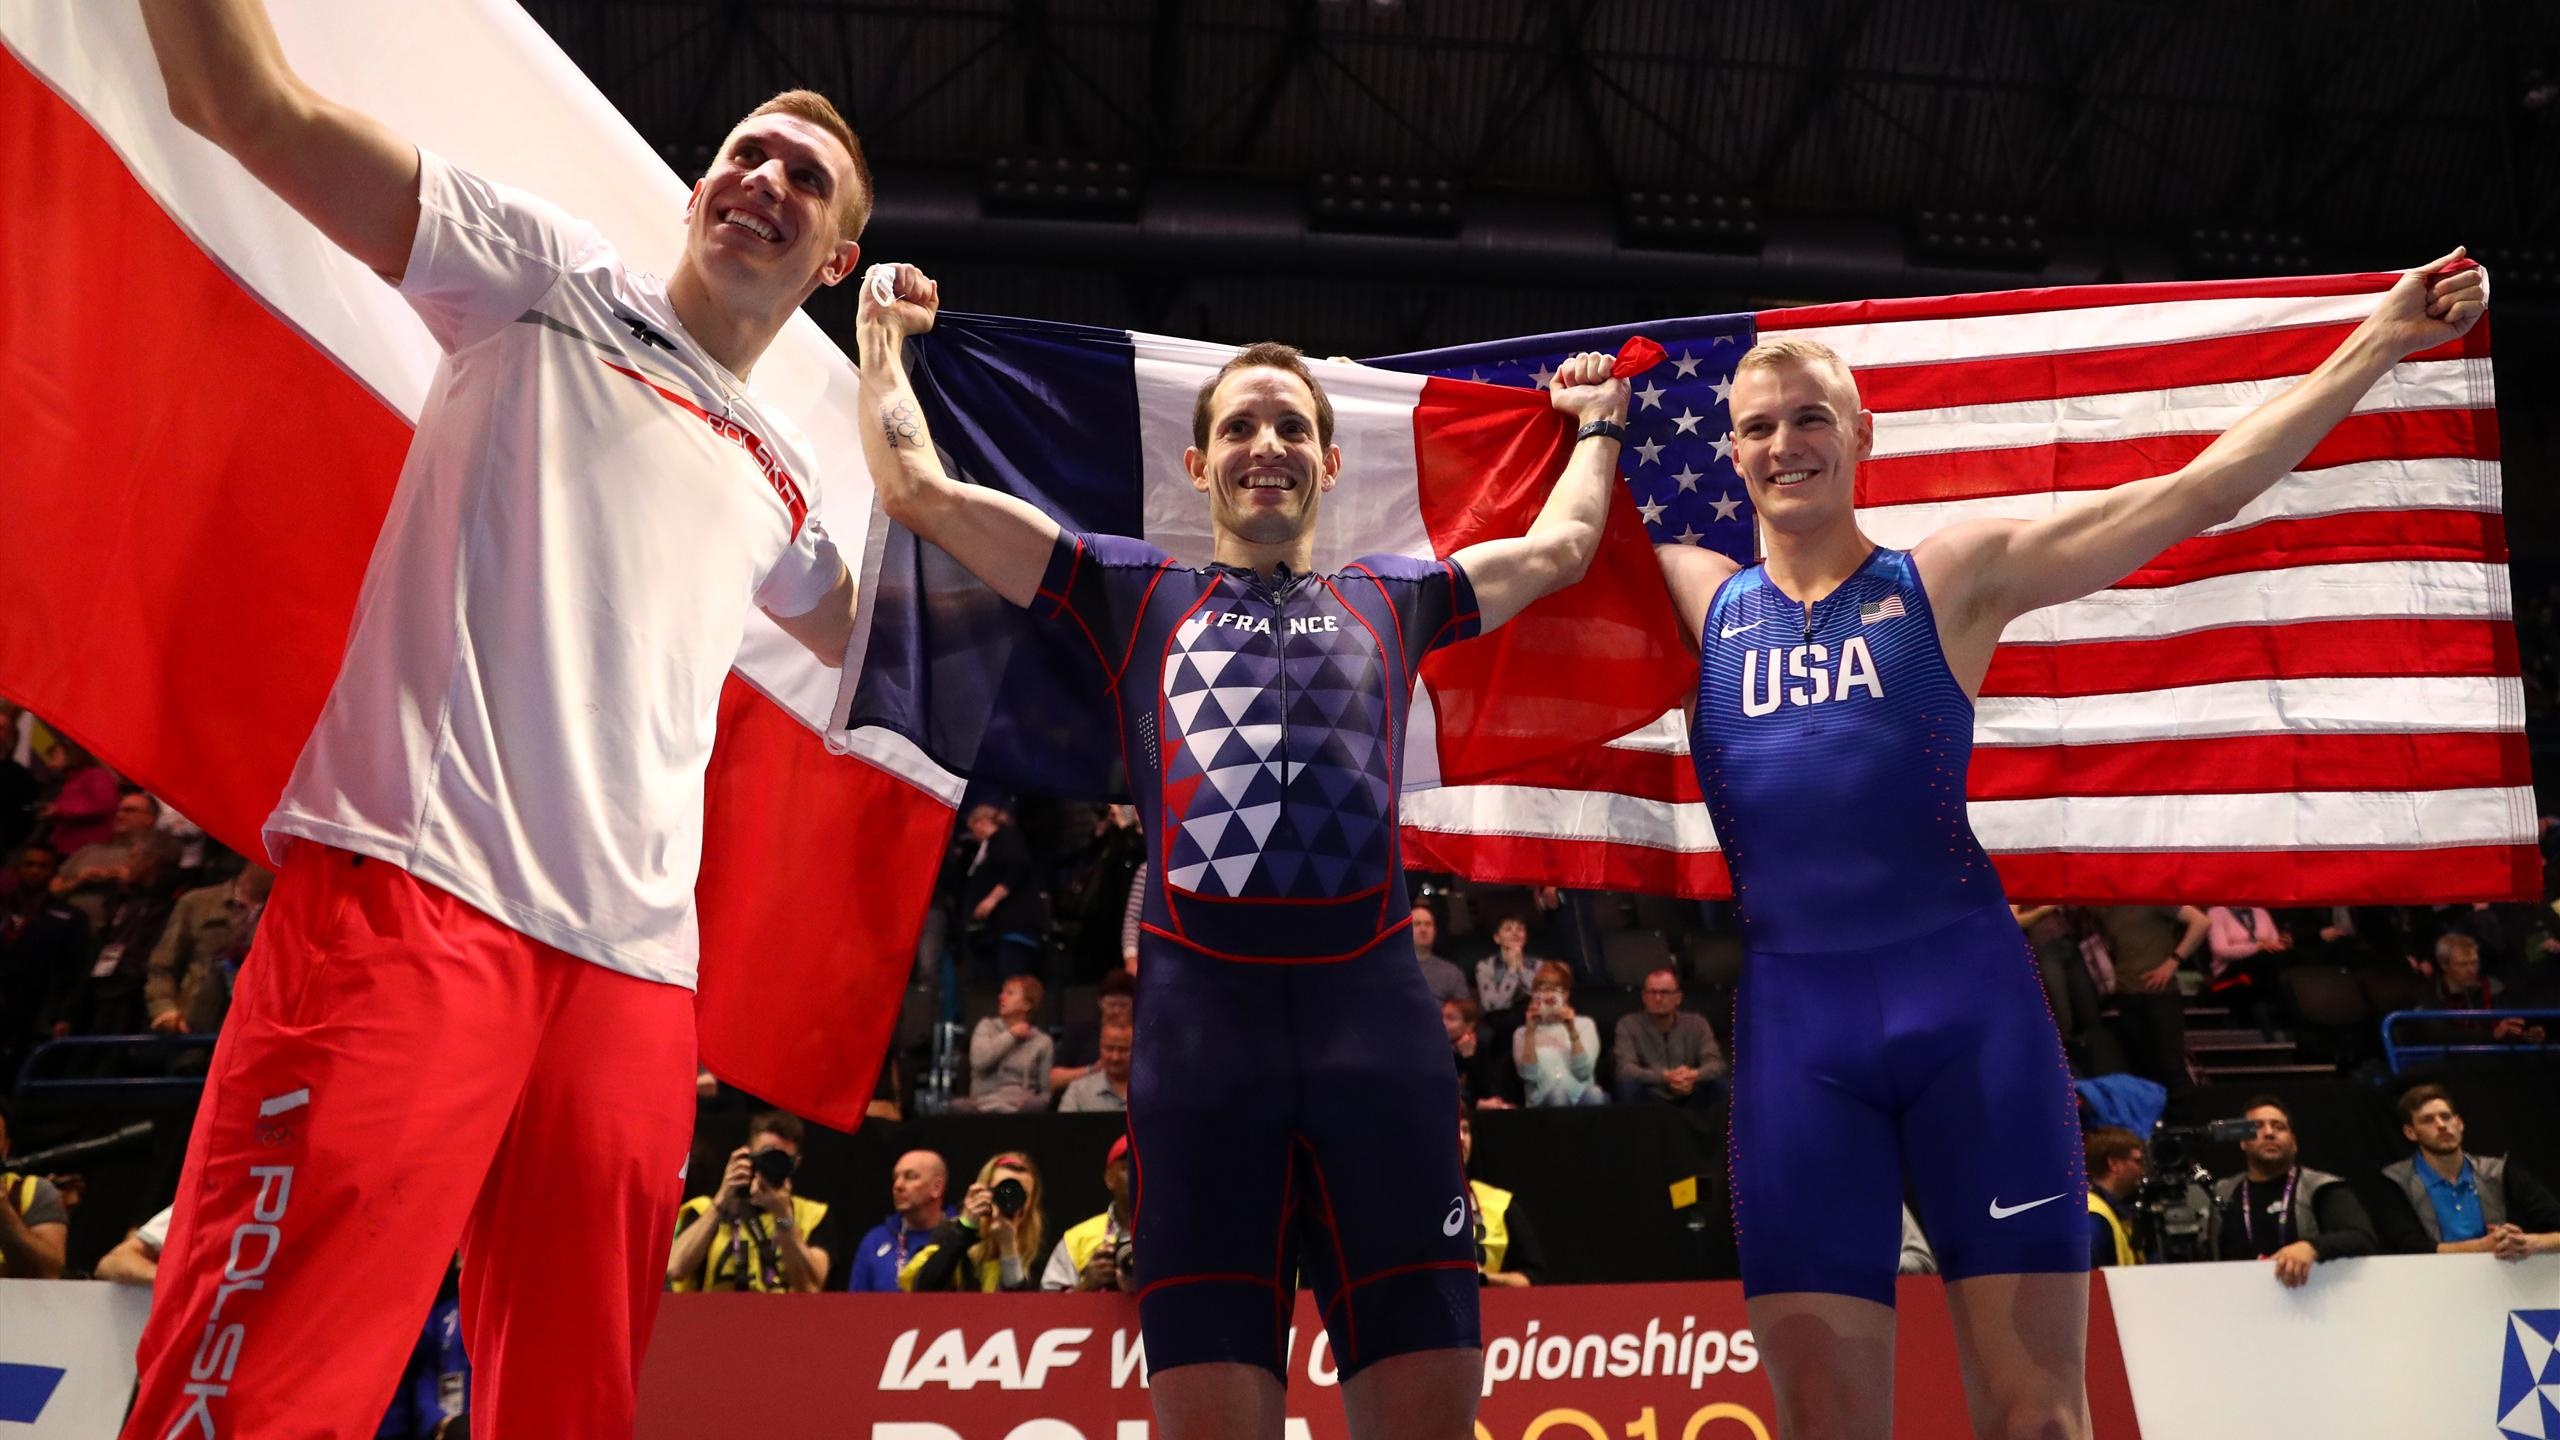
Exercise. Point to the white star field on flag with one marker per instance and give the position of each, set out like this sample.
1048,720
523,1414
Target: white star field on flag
1678,457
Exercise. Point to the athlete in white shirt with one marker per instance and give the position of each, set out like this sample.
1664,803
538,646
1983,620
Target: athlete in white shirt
468,1015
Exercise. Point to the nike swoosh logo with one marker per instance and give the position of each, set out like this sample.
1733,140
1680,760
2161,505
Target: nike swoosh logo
1732,630
2003,1212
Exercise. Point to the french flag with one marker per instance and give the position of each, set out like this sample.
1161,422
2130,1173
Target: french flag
1091,425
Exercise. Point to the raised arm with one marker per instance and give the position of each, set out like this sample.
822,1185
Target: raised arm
1990,572
346,172
1003,540
1511,574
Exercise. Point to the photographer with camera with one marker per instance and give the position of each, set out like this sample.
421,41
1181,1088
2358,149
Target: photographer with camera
35,1223
992,1245
2117,1162
2282,1210
1507,1252
754,1233
1097,1254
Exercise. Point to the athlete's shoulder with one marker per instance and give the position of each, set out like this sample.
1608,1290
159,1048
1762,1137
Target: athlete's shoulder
1122,552
1393,567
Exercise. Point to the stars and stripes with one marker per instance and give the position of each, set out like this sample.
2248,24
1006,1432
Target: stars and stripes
1888,608
1678,456
2315,702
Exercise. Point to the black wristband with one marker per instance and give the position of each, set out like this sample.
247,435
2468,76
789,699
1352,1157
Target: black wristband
1603,429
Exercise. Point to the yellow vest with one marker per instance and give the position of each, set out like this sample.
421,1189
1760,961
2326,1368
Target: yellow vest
1493,1208
22,1190
804,1211
2115,1227
990,1272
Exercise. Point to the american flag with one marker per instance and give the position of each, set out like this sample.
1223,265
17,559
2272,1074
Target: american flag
2317,702
1888,608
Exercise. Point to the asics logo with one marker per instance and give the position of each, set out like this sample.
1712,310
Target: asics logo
2003,1212
1456,1220
1732,630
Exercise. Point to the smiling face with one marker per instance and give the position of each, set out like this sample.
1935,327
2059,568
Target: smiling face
1266,462
1798,435
771,215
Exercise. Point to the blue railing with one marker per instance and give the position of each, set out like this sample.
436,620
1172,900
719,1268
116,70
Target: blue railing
2400,1055
33,1078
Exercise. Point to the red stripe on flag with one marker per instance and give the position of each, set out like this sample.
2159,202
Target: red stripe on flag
2361,649
2447,876
1597,658
788,931
167,445
2105,464
2212,360
2362,535
2066,297
2251,764
1577,864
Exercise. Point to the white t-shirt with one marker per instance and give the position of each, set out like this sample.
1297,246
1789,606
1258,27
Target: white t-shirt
154,1232
590,512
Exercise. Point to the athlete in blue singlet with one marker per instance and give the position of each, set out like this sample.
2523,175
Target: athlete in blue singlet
1291,1097
1890,1030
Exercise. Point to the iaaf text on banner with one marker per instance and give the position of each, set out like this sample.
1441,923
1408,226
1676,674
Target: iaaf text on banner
1642,1362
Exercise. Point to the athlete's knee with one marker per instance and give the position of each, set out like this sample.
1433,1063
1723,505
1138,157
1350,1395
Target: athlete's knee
2030,1417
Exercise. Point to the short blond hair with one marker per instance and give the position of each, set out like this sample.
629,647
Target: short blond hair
853,201
1770,354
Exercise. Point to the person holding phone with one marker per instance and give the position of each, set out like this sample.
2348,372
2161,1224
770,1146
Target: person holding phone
992,1244
1556,1049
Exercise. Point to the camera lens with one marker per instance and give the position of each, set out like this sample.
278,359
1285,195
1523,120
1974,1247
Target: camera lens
1010,1197
774,1166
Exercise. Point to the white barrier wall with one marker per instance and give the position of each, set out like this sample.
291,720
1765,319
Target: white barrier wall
2396,1347
66,1357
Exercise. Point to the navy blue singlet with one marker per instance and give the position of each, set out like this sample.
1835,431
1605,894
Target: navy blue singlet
1292,1109
1890,1026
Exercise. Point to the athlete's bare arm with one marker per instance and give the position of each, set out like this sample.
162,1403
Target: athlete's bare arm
826,630
1983,574
1513,573
1002,540
1693,573
346,172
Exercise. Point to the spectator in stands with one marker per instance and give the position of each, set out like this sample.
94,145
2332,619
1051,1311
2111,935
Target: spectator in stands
2457,1203
1481,1074
2068,988
1008,1055
1507,1250
754,1234
136,1258
2279,1209
188,990
1129,920
2117,1162
999,897
82,794
95,875
107,1000
2459,985
916,1187
1666,1053
1506,977
44,952
2148,944
1917,1257
1079,1048
1095,1253
1107,1089
1094,889
1446,980
993,1242
18,788
35,1224
1555,1049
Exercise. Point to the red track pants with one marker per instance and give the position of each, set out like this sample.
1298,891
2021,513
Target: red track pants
399,1073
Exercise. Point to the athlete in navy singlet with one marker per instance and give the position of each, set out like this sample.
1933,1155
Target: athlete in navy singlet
1291,1103
1890,1030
